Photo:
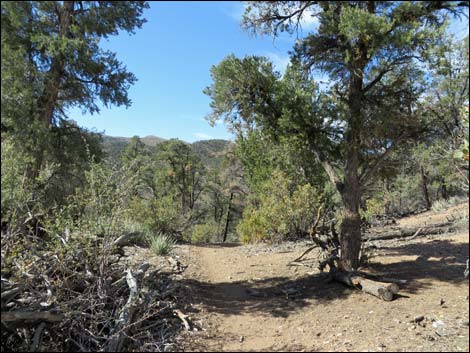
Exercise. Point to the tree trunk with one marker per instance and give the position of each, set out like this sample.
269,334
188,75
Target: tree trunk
228,217
444,192
351,225
424,186
351,194
46,103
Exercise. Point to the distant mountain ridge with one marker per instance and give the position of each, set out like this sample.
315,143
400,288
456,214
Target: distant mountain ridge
210,151
150,140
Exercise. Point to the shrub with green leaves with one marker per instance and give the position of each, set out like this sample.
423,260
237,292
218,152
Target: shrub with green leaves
16,193
442,204
203,233
282,210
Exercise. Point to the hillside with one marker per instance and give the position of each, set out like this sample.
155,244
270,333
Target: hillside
208,150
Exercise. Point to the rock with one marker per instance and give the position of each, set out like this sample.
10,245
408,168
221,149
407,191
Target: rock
418,319
438,324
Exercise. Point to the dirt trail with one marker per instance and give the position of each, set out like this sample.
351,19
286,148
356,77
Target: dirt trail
247,299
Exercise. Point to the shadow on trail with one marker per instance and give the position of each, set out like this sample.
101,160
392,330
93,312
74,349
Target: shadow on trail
276,296
441,260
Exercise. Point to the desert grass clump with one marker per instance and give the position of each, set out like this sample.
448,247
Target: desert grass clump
159,243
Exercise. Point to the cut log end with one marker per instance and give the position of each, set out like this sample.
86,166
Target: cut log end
385,294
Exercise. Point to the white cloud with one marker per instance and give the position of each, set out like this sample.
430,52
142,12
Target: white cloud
280,61
202,136
309,21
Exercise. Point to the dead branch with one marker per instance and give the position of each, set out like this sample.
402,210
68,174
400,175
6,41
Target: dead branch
304,253
37,337
416,234
125,316
9,295
12,316
183,318
125,240
396,232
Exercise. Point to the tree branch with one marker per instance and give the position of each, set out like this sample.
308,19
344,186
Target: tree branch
367,174
334,178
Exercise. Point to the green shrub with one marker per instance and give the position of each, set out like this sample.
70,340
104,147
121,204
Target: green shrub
253,227
160,244
203,233
281,210
442,204
375,206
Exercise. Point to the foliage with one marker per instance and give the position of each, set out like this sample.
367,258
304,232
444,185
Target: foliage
204,233
442,205
369,51
16,193
160,243
281,211
463,149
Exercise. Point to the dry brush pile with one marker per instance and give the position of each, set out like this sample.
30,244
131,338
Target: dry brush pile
66,285
81,295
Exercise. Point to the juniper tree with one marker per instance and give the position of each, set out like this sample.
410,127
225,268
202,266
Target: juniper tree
372,52
54,46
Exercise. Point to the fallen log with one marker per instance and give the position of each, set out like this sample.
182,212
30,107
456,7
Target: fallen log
385,291
382,278
396,232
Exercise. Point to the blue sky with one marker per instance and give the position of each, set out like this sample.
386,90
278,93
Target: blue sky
171,56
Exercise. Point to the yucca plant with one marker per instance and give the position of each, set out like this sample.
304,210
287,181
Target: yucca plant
160,244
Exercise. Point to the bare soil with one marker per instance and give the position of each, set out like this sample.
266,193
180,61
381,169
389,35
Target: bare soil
246,298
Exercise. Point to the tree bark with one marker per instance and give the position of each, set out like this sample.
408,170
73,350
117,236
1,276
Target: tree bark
424,186
350,238
228,217
351,194
444,192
